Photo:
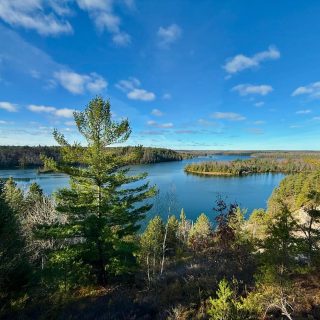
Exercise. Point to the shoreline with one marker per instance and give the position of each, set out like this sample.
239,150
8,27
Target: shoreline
207,173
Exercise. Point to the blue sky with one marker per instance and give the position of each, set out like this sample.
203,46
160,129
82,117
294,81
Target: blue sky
188,74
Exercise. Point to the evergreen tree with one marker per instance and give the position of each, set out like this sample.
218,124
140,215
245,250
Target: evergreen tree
14,267
34,195
13,196
103,215
199,236
280,243
224,306
172,235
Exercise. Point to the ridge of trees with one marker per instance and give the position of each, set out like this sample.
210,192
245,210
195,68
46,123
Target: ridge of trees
28,156
252,166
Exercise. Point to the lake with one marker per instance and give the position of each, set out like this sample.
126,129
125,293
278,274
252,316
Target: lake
178,190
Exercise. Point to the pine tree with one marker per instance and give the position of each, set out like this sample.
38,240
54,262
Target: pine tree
34,195
13,196
200,233
224,306
172,240
280,243
14,266
103,215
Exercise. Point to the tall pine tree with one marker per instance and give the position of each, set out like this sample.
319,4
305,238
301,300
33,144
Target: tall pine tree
103,211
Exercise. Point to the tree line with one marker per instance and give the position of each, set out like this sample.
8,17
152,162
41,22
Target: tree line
31,157
252,166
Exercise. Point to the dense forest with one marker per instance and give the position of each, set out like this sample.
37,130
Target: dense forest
82,254
252,166
277,154
26,156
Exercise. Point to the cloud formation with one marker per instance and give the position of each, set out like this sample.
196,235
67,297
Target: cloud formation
206,123
231,116
249,89
65,112
169,35
102,14
241,62
157,112
160,125
8,106
306,111
80,83
259,122
132,87
312,90
166,96
42,16
49,18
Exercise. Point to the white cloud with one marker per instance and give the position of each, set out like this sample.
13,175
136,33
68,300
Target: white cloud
206,123
49,17
45,109
94,4
259,104
241,62
141,94
102,13
39,15
127,85
65,112
259,122
160,125
8,106
166,96
121,39
228,116
247,89
312,90
132,88
168,35
157,112
79,83
306,111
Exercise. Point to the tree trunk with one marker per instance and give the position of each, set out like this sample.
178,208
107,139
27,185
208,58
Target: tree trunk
164,247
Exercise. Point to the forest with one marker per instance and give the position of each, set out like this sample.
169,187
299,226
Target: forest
253,166
26,156
82,253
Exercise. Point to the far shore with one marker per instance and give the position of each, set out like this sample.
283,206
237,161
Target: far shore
212,173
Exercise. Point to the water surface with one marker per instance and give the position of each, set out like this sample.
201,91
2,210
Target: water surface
194,193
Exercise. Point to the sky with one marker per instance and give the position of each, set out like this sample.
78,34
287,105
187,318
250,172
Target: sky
220,75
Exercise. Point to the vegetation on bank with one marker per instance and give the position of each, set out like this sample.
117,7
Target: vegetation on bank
276,154
251,166
78,254
26,156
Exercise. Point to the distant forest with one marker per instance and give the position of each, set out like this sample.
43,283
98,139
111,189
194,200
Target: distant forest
26,156
254,165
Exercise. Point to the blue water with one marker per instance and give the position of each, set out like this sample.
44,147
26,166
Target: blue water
178,190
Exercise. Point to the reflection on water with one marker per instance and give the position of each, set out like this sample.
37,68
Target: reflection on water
194,193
